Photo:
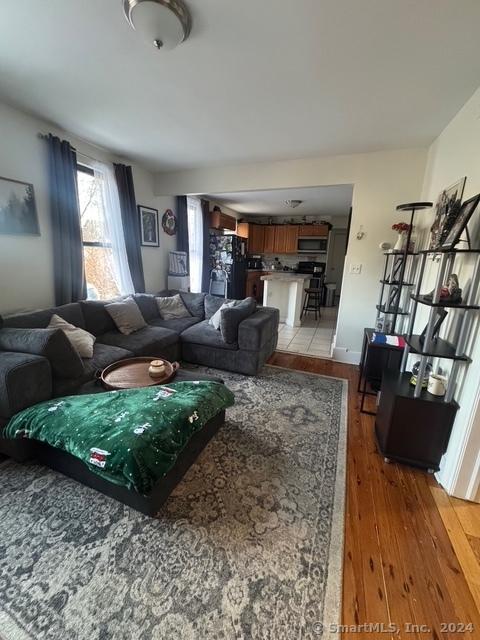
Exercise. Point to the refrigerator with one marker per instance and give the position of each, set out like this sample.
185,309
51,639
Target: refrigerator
229,253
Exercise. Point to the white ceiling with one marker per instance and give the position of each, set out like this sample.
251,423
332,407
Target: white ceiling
256,80
316,201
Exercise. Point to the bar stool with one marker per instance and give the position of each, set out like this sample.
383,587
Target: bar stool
313,297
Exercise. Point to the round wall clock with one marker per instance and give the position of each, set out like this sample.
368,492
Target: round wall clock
169,222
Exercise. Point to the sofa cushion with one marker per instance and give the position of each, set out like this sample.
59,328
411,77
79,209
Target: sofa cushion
213,304
103,355
126,315
24,380
149,341
72,313
52,344
259,329
97,318
147,305
232,316
195,303
178,324
81,340
203,333
172,307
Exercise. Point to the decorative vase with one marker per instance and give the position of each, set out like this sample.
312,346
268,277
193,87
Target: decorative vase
399,245
156,368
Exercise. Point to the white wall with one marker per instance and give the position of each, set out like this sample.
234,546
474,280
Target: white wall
26,272
454,154
381,181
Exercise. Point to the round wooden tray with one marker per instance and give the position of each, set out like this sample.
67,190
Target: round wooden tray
133,373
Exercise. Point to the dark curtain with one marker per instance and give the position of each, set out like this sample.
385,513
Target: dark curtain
131,224
182,227
68,268
206,246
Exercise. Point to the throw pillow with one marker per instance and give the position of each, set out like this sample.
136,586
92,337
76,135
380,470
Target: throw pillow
231,317
213,304
81,340
126,315
217,316
172,307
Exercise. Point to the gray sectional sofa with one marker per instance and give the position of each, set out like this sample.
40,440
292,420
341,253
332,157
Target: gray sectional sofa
38,365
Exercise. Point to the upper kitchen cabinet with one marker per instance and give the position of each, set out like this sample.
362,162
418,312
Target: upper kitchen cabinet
256,238
286,239
219,220
313,230
269,239
255,233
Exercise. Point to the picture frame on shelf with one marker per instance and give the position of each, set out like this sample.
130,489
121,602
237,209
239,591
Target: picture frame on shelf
467,210
149,226
18,210
447,210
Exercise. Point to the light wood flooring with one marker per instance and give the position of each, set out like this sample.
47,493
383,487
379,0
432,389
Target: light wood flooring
412,553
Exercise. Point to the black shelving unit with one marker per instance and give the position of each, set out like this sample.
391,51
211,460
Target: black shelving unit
412,425
398,276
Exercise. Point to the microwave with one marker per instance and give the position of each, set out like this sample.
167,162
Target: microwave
312,245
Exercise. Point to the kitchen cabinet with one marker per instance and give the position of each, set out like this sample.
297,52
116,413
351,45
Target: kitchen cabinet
256,238
269,239
313,230
242,229
219,220
286,238
254,288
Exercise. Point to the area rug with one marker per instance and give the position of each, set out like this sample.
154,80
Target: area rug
249,546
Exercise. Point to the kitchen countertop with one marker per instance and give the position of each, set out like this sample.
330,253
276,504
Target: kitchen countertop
287,276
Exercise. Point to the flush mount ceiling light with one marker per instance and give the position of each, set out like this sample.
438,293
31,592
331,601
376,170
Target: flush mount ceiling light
163,23
293,203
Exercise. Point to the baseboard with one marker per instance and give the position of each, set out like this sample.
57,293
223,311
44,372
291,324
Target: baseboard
340,354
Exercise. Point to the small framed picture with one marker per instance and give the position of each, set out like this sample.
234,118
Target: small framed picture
149,226
467,210
18,211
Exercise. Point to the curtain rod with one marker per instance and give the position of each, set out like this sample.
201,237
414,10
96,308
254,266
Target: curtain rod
44,136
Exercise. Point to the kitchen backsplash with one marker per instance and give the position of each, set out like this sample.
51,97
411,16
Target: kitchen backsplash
290,260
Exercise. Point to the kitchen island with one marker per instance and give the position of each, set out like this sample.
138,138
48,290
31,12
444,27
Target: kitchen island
285,291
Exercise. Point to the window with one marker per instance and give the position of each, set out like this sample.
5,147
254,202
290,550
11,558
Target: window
106,267
195,242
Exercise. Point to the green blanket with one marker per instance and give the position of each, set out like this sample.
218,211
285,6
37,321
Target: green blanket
131,437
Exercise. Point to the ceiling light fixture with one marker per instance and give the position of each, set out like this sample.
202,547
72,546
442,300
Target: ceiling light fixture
163,23
293,203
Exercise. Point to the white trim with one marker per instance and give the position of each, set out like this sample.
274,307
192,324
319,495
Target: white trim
340,354
460,476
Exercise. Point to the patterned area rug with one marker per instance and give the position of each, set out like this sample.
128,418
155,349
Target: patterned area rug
249,546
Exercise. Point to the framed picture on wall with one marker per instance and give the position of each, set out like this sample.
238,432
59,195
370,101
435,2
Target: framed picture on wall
149,226
18,211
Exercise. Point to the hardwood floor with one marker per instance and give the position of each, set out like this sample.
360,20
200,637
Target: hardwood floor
411,555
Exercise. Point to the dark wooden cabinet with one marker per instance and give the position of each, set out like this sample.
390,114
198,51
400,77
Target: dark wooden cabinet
256,236
313,230
269,239
412,430
254,285
219,220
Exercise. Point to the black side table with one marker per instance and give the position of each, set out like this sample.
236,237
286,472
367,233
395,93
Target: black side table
376,358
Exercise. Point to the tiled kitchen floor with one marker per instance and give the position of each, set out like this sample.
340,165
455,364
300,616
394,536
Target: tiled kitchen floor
313,338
